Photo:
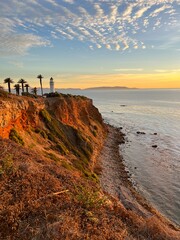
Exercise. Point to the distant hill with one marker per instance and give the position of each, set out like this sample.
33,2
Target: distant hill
109,88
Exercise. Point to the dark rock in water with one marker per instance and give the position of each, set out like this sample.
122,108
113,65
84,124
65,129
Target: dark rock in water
154,146
120,128
135,167
138,132
123,105
155,133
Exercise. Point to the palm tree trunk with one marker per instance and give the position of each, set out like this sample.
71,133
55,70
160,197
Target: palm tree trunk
22,87
41,87
9,87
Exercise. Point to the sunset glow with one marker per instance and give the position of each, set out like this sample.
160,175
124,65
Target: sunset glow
91,43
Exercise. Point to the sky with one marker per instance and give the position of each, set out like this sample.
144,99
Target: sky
91,43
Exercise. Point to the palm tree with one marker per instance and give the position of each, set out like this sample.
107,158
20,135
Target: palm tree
8,81
34,91
40,78
22,81
17,88
27,87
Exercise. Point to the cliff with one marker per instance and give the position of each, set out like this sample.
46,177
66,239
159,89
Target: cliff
65,125
49,174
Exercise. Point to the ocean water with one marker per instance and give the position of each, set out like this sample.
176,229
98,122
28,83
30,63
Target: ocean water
154,171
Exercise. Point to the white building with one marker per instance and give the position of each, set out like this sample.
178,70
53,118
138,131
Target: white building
51,85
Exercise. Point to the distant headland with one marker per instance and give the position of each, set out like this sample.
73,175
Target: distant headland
109,88
93,88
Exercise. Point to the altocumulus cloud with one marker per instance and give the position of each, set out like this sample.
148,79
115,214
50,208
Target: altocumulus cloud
115,25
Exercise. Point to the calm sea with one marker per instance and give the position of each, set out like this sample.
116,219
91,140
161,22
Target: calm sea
154,171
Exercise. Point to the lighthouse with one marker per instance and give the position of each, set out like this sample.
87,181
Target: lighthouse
51,85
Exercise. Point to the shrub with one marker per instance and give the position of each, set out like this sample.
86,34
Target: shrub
42,132
27,94
61,148
46,116
89,199
4,93
55,94
6,165
66,165
52,156
14,136
94,133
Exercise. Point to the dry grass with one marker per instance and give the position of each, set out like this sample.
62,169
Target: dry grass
30,210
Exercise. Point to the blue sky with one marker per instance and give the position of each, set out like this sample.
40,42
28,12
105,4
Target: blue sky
84,43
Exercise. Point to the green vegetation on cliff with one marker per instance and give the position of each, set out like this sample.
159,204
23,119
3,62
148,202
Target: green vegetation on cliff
14,135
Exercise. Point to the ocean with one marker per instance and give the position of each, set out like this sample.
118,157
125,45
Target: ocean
154,171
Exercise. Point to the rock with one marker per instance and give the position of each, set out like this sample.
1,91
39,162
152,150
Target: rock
123,105
155,133
138,132
154,146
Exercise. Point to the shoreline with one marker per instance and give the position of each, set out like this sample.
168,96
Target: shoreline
115,180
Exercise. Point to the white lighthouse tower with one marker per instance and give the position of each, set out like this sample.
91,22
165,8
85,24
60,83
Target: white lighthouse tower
51,85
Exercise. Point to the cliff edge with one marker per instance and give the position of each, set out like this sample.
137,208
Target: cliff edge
49,174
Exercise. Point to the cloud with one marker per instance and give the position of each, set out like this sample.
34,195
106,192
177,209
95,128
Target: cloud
117,47
98,46
167,70
52,2
161,70
140,12
108,46
161,9
128,10
115,23
125,47
128,69
69,1
18,44
98,9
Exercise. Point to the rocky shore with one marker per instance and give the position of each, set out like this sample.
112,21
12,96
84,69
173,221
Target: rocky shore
116,182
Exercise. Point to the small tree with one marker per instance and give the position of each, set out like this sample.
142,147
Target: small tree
27,87
34,91
8,81
17,88
40,79
22,81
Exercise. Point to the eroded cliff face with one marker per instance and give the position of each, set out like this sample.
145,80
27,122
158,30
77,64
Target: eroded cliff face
18,112
64,125
76,111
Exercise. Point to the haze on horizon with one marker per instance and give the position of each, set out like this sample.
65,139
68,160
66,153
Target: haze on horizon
91,43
